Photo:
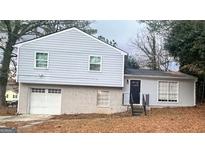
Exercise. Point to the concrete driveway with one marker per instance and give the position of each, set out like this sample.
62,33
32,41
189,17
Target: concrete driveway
22,121
25,118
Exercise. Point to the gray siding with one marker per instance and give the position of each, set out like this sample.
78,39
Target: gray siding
68,61
149,86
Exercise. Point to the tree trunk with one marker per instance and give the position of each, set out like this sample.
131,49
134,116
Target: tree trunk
154,54
4,73
2,95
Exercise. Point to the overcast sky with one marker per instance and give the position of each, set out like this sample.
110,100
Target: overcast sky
122,31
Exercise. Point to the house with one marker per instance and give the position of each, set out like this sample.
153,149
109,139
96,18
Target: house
71,72
11,96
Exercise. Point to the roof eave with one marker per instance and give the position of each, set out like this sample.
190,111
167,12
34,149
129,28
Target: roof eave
164,77
119,50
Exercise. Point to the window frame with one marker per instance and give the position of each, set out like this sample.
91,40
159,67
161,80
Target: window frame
177,92
103,105
35,60
101,59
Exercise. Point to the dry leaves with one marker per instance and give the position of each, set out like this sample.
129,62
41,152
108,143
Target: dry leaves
169,120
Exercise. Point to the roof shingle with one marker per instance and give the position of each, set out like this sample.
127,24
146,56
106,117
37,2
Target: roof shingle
156,73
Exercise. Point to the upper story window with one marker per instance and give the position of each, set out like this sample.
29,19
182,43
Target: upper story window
41,60
168,91
95,63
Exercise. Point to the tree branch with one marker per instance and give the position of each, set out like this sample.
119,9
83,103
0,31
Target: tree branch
31,26
13,55
14,64
2,48
8,25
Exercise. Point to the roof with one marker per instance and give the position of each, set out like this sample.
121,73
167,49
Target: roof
69,29
157,74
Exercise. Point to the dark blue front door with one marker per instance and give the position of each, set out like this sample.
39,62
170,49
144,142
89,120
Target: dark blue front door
135,91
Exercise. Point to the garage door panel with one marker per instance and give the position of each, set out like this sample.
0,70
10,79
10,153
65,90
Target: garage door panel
45,102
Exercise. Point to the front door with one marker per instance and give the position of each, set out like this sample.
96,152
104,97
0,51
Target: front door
135,91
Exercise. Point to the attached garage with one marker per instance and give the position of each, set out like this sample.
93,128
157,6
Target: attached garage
45,101
66,99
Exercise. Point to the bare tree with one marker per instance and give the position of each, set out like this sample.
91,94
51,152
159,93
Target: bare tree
149,47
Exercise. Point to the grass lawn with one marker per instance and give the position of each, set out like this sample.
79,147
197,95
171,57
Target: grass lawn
177,120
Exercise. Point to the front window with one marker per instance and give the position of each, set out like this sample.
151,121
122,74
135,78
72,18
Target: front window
168,91
41,60
103,98
95,63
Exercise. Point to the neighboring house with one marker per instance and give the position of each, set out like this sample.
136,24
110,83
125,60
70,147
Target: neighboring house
11,91
11,96
72,72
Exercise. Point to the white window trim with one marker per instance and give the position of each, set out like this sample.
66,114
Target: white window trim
35,60
100,63
167,102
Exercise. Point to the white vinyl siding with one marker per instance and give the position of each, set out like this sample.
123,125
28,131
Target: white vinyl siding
41,60
103,98
68,57
95,63
167,91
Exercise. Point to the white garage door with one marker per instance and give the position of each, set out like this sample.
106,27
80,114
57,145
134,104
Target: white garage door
45,101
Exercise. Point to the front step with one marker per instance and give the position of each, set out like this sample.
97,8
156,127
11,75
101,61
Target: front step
136,110
136,114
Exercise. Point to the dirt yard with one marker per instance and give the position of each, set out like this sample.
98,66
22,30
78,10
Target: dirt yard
177,120
6,111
